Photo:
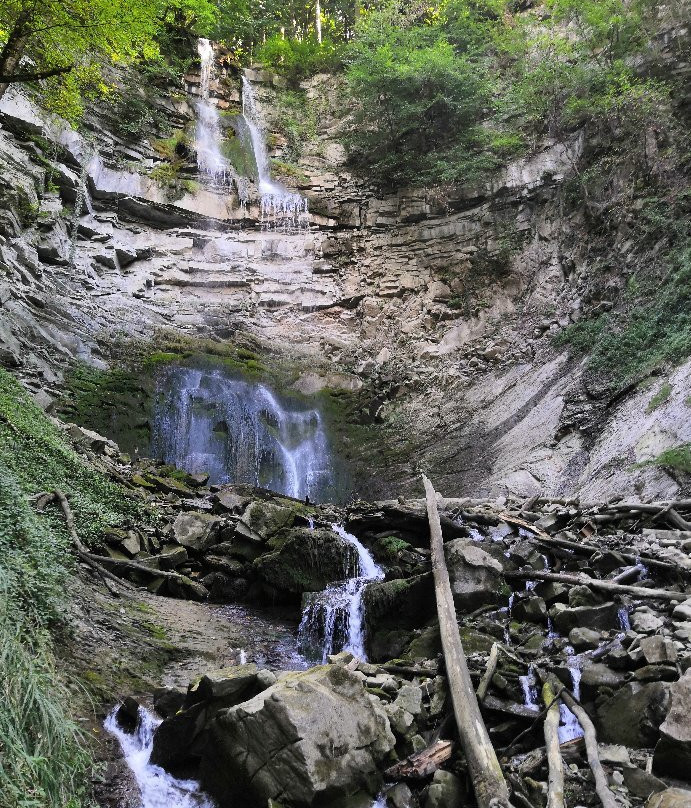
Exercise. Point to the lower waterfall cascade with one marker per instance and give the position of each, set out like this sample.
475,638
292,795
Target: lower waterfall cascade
158,789
333,620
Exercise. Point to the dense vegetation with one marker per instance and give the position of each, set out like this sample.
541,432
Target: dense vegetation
42,761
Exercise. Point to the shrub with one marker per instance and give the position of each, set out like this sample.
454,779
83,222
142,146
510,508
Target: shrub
298,59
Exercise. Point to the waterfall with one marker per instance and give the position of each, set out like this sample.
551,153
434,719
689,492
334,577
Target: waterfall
210,159
333,620
205,420
280,208
158,788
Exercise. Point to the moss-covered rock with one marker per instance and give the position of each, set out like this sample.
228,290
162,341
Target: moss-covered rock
306,561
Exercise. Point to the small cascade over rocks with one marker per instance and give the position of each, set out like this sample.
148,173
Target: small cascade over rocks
206,421
280,208
333,620
158,788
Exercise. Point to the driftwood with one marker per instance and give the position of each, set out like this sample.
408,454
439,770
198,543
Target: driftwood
117,563
555,764
590,736
588,549
489,673
581,579
489,785
421,764
82,550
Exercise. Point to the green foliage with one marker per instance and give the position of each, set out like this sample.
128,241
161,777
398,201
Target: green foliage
83,36
654,330
677,459
659,398
296,119
298,59
420,101
43,763
42,760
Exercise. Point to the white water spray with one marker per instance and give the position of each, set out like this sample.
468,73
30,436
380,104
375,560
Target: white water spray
158,788
210,159
280,208
333,620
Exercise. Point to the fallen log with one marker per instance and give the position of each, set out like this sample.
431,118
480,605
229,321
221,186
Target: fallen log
555,763
590,736
489,785
44,499
489,673
121,564
581,579
421,764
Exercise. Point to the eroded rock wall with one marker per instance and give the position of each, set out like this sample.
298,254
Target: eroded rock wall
437,311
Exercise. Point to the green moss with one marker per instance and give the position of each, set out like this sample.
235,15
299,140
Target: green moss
659,398
677,459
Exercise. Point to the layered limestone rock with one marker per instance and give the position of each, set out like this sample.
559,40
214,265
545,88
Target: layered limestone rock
438,312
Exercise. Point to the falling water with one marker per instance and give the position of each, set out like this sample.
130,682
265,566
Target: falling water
158,788
239,432
210,159
280,208
333,620
569,727
529,686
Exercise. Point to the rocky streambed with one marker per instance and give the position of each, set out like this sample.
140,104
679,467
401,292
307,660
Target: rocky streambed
594,596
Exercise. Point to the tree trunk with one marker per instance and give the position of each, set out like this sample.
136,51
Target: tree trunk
581,579
12,52
485,772
318,20
555,790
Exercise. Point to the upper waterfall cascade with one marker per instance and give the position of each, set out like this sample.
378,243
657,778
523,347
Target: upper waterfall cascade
238,431
280,208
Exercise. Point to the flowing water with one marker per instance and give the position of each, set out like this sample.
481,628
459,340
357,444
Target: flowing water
333,620
158,788
210,159
280,208
205,420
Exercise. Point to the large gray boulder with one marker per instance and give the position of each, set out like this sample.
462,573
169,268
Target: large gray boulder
312,738
670,798
673,751
632,716
196,531
599,618
475,576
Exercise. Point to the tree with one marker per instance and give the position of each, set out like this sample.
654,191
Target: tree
68,41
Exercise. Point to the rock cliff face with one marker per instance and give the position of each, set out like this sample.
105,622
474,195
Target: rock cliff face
436,311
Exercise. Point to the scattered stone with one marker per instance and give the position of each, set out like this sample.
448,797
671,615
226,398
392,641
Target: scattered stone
645,621
602,617
658,649
475,576
127,716
584,639
640,783
673,751
683,610
670,798
632,716
445,791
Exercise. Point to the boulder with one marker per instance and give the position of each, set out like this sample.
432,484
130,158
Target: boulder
632,716
310,739
673,751
187,589
224,589
683,610
127,715
533,610
596,676
195,530
475,576
305,561
168,700
658,649
445,791
172,556
180,739
261,520
670,798
645,621
229,500
584,639
595,617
